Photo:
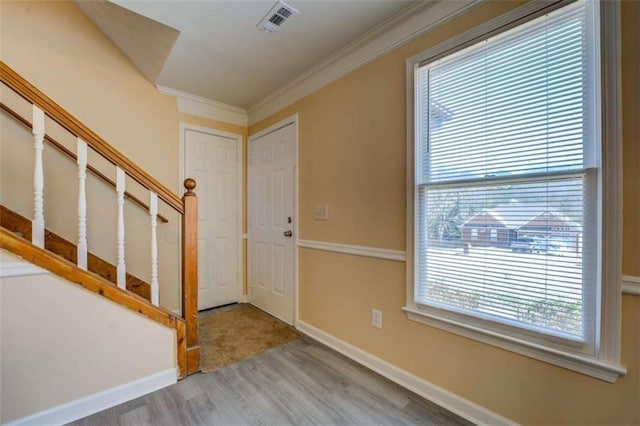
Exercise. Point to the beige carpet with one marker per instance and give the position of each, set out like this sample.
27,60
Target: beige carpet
229,336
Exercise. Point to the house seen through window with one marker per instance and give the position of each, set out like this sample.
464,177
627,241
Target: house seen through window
506,179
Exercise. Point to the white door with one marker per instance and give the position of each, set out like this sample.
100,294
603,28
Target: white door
213,162
271,222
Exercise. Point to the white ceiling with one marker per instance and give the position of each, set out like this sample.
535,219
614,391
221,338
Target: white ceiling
221,55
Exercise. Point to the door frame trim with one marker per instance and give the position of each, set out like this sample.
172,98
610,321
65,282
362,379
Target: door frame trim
292,119
184,126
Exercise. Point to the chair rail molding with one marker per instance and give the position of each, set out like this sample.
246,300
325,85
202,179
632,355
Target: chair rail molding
379,253
631,285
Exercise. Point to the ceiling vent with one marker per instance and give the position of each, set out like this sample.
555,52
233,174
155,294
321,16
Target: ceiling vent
276,17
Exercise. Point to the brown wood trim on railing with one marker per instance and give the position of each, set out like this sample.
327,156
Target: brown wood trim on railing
21,226
29,92
190,274
71,155
96,284
181,346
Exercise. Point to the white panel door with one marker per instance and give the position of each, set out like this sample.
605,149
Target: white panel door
271,222
212,161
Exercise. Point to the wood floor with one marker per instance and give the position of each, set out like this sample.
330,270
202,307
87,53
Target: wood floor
298,383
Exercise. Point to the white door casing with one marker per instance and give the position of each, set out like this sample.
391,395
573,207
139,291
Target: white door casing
212,158
271,221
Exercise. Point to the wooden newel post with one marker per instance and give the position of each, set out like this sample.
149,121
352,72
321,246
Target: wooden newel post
190,274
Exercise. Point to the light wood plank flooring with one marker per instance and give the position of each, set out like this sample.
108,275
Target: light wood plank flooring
298,383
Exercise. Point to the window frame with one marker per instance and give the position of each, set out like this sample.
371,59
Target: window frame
604,362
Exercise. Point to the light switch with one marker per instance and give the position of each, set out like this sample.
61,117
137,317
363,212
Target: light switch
321,212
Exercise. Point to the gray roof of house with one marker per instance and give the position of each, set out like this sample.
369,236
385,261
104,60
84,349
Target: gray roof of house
515,215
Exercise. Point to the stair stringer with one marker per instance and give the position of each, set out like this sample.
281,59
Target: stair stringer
96,284
21,226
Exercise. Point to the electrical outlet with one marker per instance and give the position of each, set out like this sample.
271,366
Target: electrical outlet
376,318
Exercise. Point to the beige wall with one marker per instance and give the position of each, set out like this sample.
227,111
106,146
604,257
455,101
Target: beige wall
352,156
50,357
55,47
355,129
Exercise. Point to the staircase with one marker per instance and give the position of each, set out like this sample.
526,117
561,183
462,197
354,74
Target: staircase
21,226
29,238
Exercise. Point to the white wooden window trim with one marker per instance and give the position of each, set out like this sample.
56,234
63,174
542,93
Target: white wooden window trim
605,364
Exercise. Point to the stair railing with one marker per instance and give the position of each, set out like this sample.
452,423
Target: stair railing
187,206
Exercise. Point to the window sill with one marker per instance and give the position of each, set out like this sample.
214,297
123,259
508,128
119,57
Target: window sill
582,364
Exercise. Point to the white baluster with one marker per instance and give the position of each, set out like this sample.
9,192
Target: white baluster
37,224
153,213
82,204
121,268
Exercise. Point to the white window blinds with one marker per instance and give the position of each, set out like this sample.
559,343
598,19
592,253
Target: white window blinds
506,178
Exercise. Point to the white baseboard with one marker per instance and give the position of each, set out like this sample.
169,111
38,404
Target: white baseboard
91,404
448,400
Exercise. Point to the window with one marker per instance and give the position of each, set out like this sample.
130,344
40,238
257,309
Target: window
507,133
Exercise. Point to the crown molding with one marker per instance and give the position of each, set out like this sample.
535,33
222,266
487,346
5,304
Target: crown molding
409,24
207,108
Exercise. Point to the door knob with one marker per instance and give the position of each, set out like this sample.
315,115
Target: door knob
288,234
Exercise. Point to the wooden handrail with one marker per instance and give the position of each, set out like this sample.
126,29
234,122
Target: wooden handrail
71,155
29,92
99,285
187,328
